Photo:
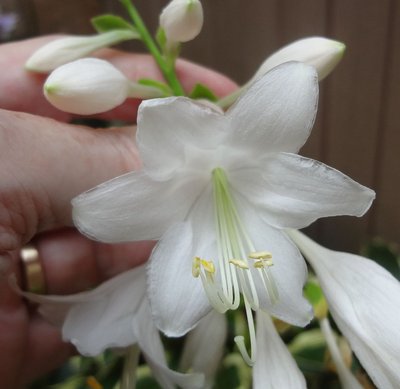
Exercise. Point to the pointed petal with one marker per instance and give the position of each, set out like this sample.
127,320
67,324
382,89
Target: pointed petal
152,347
292,191
277,112
274,367
288,271
364,300
169,128
133,207
204,346
100,318
177,299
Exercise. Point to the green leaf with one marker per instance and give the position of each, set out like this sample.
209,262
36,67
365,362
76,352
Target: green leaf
107,22
156,84
200,91
383,254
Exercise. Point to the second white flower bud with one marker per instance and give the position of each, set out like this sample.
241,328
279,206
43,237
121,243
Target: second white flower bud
91,85
182,20
86,86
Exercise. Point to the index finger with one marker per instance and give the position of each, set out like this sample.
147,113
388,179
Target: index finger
23,89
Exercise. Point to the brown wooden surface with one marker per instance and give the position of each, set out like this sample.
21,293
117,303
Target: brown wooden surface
358,125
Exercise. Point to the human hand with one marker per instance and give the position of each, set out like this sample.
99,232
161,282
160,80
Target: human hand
44,163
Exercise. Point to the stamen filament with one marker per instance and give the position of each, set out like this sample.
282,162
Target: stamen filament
238,263
239,340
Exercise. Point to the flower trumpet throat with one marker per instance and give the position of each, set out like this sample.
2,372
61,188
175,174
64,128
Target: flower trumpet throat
238,262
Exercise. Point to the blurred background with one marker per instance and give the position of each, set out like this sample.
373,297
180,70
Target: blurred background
358,124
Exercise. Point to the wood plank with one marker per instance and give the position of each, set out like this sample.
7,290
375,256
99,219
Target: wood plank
70,17
236,37
386,220
353,94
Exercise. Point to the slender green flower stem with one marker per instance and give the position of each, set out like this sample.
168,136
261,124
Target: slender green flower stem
167,70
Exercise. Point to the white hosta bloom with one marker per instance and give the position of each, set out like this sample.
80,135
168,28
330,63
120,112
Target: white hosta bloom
115,314
322,53
90,85
182,20
217,190
364,300
275,366
64,50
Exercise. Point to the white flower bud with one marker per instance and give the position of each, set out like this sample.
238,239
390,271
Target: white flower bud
64,50
182,20
322,53
86,86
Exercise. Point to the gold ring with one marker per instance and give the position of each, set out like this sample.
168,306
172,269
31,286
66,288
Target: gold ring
32,270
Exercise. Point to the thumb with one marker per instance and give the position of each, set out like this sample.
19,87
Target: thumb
44,164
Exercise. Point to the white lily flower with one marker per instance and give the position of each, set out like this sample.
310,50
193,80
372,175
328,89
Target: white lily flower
275,366
182,20
364,300
218,190
64,50
90,85
204,357
115,314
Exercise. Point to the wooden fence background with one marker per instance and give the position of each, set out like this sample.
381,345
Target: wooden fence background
358,124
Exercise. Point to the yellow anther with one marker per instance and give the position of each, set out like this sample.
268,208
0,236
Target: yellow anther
197,263
260,255
263,263
208,266
239,263
196,267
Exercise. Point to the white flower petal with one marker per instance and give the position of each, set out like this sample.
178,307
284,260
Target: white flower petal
277,112
204,346
133,207
364,300
293,191
289,270
169,129
177,299
275,366
100,318
150,343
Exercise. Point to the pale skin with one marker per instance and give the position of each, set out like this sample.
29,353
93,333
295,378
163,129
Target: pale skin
44,163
